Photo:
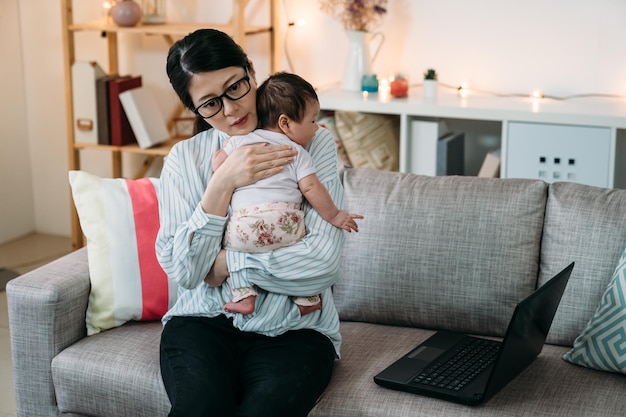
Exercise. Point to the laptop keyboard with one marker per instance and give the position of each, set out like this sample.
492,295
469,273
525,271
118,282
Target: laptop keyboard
471,357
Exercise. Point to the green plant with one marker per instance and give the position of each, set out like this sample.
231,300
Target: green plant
430,74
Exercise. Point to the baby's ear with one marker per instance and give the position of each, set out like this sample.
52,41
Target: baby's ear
283,123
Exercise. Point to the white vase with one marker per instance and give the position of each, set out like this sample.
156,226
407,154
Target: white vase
359,60
430,89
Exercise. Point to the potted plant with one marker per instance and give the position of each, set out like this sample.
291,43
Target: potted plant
430,83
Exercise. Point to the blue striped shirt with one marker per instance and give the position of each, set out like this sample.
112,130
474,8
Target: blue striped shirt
189,240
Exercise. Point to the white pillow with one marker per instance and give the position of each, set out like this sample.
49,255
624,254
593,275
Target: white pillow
120,220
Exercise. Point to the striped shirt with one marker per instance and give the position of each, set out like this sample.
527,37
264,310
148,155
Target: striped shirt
189,240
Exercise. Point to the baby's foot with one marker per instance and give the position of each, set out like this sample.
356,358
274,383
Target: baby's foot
245,306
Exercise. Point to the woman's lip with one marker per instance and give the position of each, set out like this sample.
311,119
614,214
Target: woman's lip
240,122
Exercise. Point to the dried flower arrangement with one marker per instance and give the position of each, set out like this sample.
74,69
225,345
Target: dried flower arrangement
361,15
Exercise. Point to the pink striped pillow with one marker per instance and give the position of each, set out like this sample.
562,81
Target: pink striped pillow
120,220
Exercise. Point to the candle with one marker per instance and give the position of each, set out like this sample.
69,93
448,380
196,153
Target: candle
369,83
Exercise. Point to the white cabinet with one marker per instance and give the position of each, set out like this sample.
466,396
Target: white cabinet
554,152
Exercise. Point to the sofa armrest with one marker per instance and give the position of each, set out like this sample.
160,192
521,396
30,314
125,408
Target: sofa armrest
47,309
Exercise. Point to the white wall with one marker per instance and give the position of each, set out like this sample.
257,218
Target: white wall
563,47
560,46
45,113
16,195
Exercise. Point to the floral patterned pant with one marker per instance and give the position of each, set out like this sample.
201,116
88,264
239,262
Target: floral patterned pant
263,228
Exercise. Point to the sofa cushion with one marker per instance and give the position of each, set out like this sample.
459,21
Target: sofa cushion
586,225
114,373
548,387
602,344
439,252
120,220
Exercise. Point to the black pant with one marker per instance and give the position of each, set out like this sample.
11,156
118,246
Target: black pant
210,368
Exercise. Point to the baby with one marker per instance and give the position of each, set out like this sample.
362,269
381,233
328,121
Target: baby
267,214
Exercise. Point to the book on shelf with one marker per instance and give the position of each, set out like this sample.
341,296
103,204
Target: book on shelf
85,112
434,149
491,165
423,146
145,118
120,129
102,106
451,154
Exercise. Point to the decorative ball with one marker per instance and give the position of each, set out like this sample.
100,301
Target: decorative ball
126,13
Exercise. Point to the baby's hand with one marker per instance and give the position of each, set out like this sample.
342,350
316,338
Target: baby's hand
219,156
346,221
218,159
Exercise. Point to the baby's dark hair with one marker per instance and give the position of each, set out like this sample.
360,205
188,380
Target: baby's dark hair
283,93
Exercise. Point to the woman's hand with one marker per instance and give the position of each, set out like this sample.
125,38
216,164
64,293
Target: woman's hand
219,271
248,164
245,166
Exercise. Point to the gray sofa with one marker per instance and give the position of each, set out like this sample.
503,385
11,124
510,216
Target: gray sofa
451,253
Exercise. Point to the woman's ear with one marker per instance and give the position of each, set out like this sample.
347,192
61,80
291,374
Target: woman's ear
283,124
251,70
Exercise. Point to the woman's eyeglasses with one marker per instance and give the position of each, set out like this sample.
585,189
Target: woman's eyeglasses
235,91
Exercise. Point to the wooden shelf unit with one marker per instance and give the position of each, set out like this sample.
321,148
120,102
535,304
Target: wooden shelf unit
237,28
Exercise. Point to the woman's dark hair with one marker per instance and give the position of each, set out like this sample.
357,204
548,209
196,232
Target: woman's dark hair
201,51
283,93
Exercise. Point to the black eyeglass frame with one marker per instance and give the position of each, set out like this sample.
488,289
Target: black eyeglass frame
220,98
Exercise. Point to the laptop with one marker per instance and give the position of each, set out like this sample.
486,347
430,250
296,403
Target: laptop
431,368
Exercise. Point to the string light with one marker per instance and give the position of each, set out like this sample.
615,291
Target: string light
384,88
291,24
298,22
464,91
106,8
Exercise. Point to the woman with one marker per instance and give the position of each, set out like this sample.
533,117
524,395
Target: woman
274,362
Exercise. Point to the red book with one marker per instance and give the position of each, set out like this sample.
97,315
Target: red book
120,130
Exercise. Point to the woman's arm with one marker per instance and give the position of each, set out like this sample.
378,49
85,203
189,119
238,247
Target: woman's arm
311,265
189,238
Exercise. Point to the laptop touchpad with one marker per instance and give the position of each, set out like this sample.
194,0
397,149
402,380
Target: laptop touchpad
425,353
405,368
